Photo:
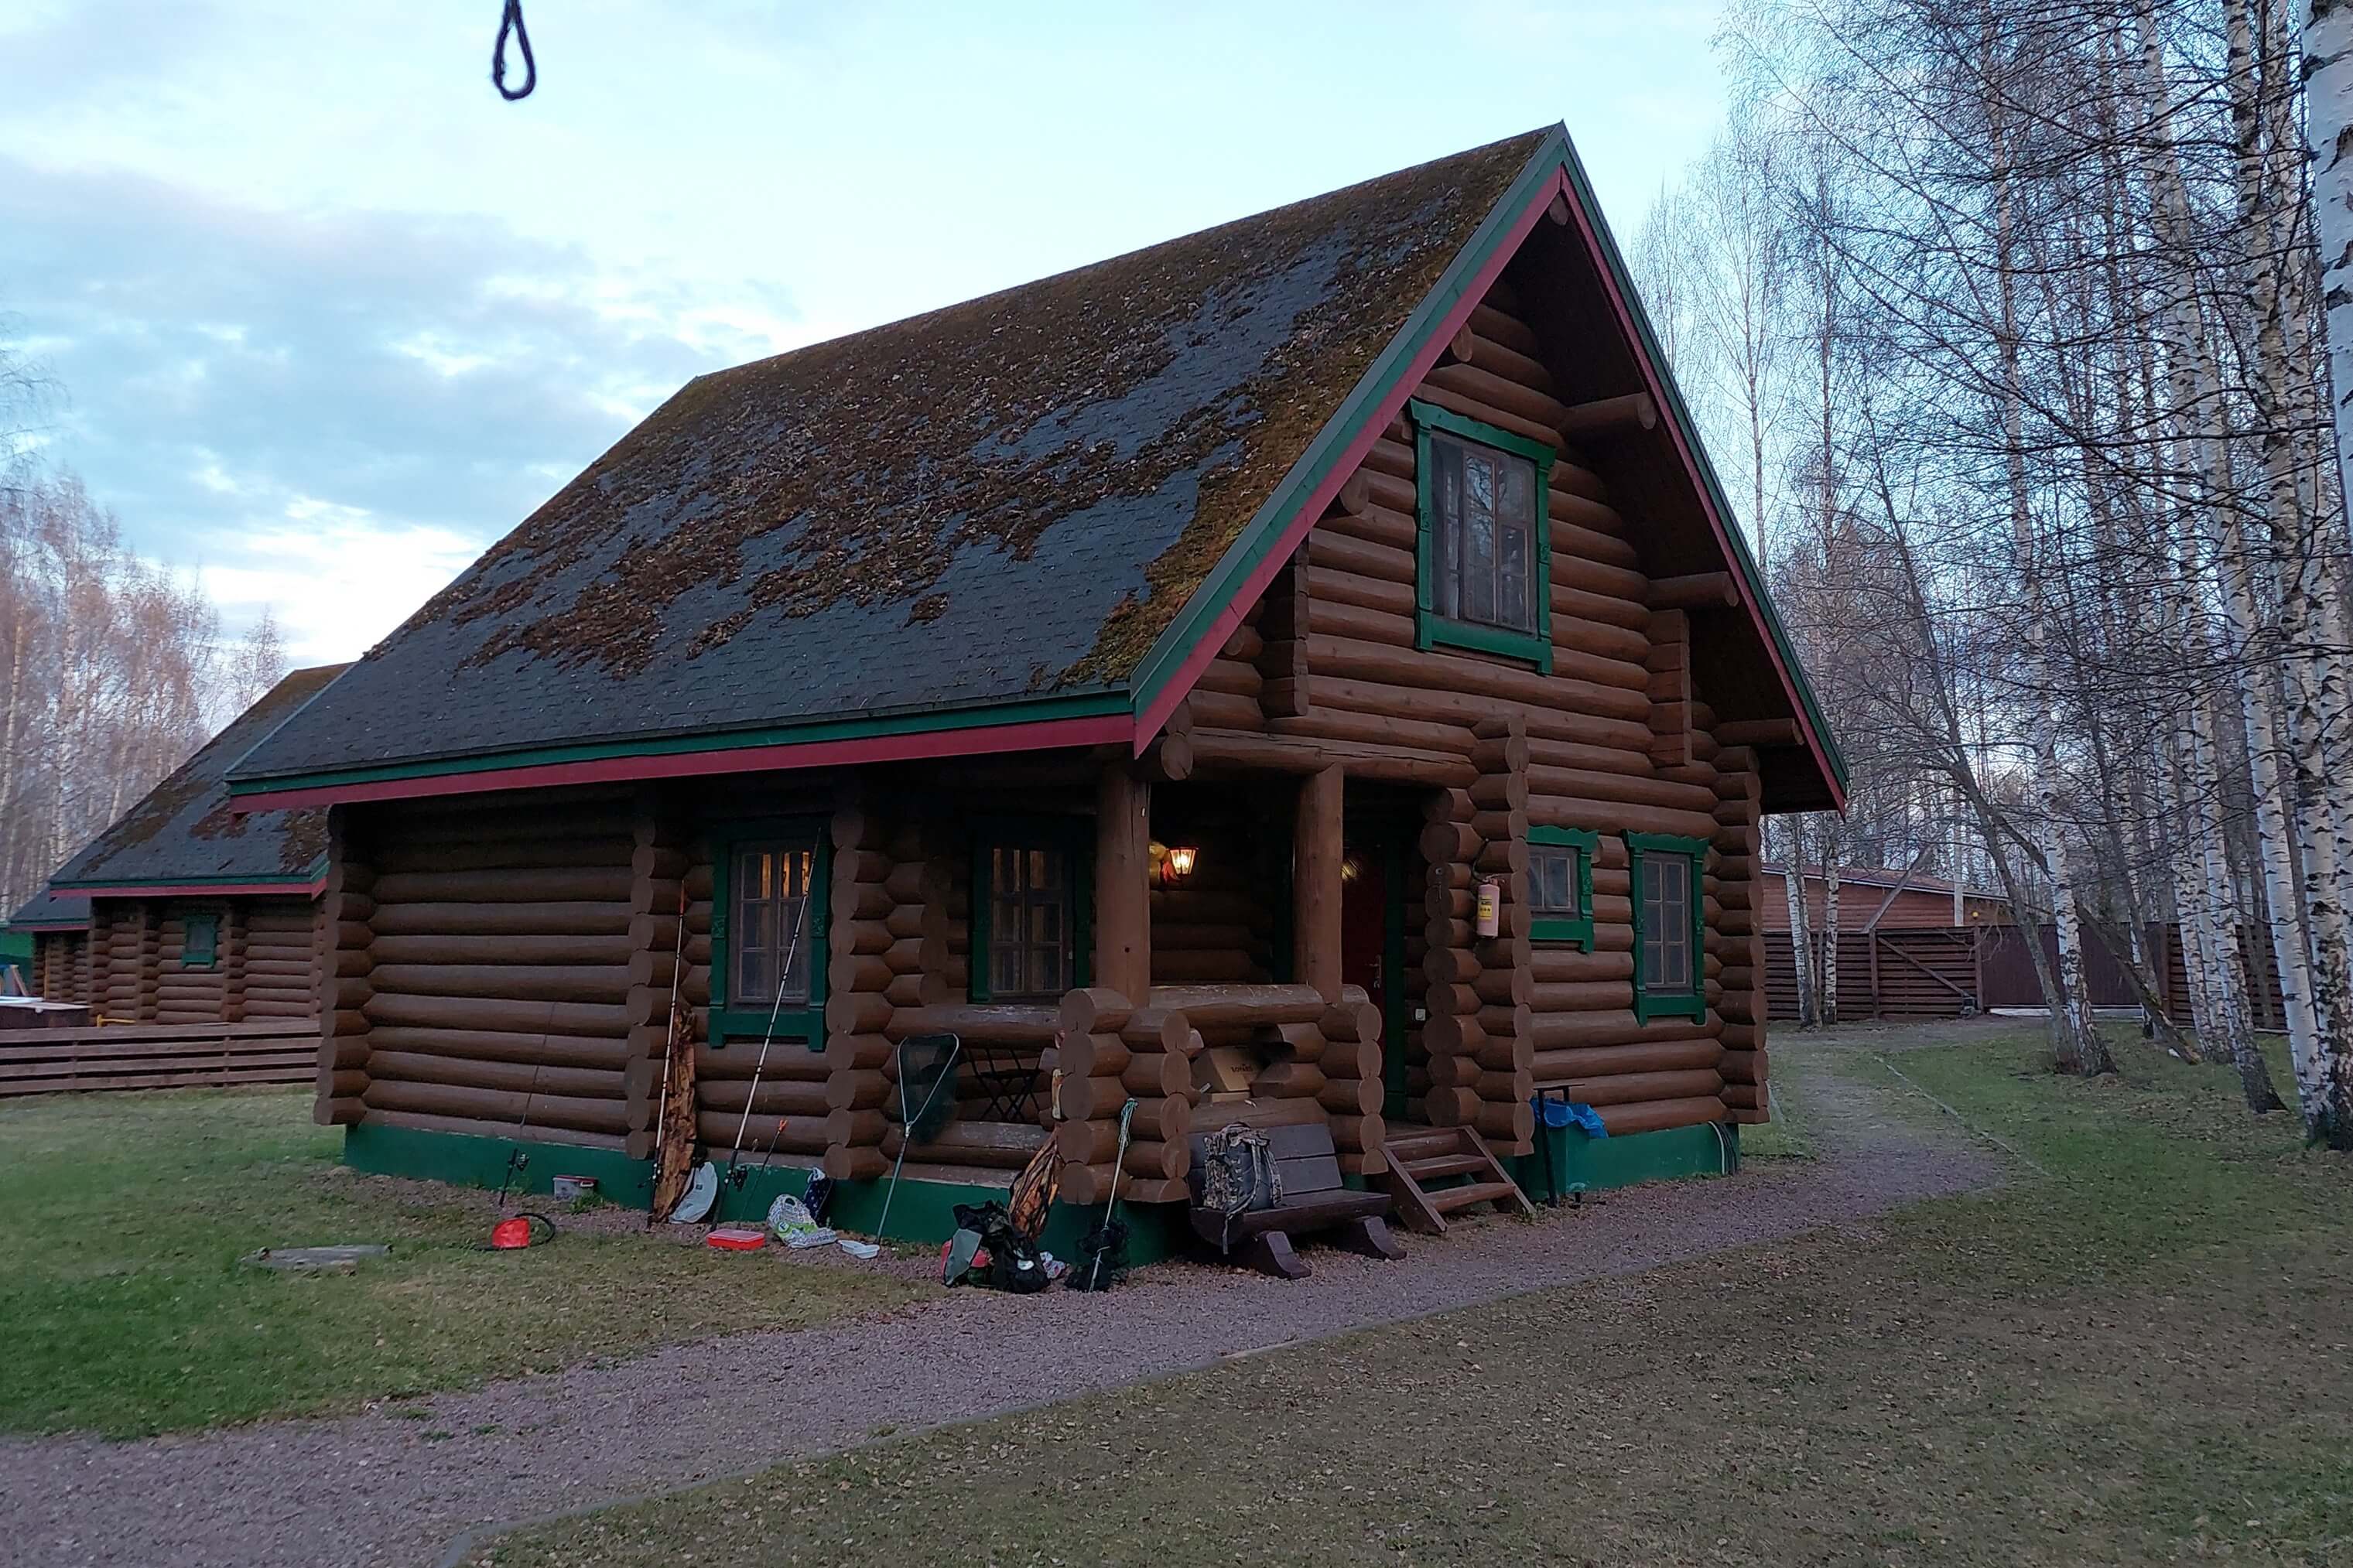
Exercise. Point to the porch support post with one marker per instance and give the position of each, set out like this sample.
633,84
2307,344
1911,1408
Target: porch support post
1122,951
1316,852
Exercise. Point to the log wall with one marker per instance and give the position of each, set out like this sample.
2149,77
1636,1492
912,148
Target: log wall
1618,738
134,967
481,975
61,969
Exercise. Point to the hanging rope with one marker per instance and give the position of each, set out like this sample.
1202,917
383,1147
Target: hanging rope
510,21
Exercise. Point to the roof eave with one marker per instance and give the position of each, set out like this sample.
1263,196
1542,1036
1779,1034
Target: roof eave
1085,718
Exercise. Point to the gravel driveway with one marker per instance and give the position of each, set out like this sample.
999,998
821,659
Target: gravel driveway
375,1490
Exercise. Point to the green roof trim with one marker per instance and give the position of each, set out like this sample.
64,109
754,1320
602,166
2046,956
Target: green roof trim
1265,530
1743,562
302,878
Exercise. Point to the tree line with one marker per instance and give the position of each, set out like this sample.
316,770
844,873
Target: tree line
113,669
2007,324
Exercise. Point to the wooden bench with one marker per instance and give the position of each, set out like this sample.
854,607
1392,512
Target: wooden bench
1315,1200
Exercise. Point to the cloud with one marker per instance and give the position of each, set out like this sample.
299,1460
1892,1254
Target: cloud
245,387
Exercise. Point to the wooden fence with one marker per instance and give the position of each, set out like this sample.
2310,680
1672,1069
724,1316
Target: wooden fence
1939,971
157,1056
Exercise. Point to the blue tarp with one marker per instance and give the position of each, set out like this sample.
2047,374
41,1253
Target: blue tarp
1563,1113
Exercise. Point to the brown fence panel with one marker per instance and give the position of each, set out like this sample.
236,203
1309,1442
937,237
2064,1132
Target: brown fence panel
185,1056
1915,971
1931,972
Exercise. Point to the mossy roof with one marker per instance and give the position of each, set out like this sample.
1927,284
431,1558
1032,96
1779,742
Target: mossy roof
1004,500
183,831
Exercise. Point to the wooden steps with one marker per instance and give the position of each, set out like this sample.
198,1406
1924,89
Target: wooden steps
1435,1154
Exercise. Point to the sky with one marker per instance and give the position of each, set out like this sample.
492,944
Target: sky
327,317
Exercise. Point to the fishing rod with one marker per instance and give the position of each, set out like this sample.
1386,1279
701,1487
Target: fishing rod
667,1169
775,1010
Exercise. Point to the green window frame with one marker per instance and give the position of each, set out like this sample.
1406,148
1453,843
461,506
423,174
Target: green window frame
1652,997
748,1016
1432,424
1575,928
1071,839
199,941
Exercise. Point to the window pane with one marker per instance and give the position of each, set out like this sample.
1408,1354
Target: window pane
751,980
1511,577
1478,539
1005,973
794,945
1484,549
1446,460
1516,503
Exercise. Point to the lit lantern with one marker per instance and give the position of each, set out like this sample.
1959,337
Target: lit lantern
1179,864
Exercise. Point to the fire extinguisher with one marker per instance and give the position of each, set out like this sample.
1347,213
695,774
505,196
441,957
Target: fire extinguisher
1490,907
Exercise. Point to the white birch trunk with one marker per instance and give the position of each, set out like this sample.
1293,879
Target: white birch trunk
1828,1010
2075,1046
2328,46
1801,946
2201,411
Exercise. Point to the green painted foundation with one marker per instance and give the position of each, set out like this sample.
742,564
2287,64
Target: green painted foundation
923,1212
1590,1164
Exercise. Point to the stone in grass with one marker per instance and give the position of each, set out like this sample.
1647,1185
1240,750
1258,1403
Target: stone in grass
342,1259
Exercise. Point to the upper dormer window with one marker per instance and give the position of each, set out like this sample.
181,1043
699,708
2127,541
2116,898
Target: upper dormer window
1485,578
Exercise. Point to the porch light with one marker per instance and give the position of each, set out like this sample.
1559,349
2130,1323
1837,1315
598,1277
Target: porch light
1179,864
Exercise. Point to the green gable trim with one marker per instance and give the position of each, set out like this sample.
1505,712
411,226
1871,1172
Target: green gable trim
1433,630
1555,157
1648,1004
1388,371
1752,579
1573,930
913,722
803,1024
1074,837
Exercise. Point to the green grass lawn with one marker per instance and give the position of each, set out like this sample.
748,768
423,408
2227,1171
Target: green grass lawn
122,1217
2144,1356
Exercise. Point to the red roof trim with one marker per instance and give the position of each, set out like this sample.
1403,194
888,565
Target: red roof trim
1045,734
309,889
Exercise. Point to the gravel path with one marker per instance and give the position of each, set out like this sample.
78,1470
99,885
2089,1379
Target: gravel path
371,1489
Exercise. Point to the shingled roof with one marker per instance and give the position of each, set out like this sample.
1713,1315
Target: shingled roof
49,910
183,833
1003,500
1020,520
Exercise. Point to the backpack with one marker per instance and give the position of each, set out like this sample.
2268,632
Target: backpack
1014,1263
1238,1172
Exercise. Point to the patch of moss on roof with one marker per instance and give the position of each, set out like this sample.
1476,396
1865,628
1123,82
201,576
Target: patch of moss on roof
1009,497
183,829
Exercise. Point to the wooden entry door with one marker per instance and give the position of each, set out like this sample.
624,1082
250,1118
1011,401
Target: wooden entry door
1372,937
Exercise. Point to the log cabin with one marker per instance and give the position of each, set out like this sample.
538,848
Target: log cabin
191,913
1302,673
58,927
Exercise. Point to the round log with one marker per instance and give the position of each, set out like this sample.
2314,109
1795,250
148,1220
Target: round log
1657,1115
